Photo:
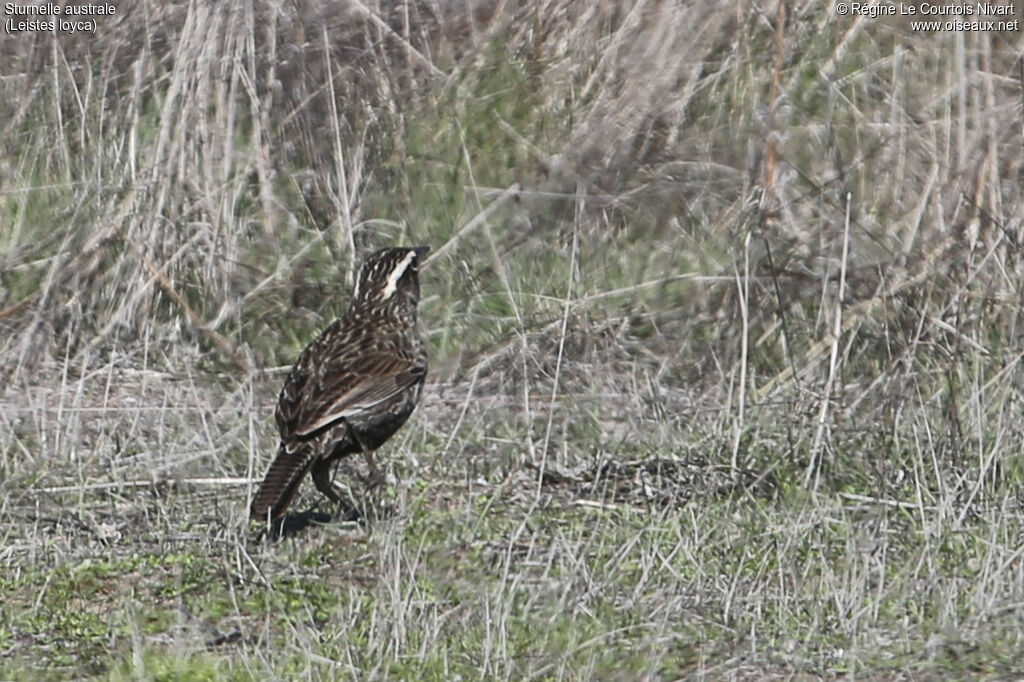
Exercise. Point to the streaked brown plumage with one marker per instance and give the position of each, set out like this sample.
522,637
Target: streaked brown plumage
352,387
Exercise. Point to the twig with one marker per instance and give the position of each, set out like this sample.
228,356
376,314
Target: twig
114,485
837,329
900,504
743,288
573,254
477,220
219,341
383,26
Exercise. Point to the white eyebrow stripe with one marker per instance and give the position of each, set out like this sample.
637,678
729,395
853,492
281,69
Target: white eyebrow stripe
392,284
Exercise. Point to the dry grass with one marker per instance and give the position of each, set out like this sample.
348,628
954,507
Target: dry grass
725,337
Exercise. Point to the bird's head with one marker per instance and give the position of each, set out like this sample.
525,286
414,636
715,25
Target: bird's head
389,279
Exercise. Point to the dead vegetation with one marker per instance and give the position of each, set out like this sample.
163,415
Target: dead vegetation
724,320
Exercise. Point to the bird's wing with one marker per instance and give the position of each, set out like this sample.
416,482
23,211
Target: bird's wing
371,381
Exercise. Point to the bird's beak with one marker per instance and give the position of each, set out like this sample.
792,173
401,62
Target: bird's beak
421,250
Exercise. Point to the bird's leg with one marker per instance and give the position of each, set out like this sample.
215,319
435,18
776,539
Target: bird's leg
322,479
373,485
375,478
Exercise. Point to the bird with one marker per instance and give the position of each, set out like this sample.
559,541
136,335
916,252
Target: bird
353,387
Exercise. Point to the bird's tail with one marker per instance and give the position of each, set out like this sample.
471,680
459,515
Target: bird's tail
281,482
